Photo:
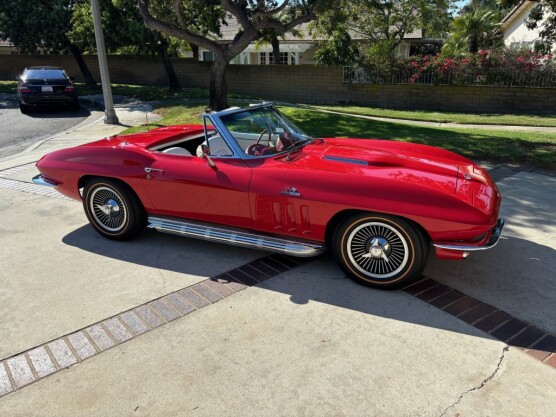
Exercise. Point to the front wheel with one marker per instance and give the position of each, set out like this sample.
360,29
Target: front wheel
113,209
380,250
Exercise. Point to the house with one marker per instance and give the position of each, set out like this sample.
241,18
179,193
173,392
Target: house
8,48
298,49
514,29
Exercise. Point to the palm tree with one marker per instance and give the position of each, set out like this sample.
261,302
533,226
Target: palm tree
476,30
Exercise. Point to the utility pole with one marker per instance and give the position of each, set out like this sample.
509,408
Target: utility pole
109,113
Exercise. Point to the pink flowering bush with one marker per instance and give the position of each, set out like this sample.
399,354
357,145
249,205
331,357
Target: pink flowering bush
501,67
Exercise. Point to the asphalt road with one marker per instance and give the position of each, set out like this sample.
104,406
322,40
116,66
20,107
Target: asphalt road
19,131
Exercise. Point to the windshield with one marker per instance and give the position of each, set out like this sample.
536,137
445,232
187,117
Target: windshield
263,131
44,74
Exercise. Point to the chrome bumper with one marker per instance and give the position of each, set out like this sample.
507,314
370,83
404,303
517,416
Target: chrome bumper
496,232
40,180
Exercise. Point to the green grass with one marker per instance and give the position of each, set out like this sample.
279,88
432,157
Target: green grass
189,113
446,117
146,93
150,93
8,87
141,92
533,148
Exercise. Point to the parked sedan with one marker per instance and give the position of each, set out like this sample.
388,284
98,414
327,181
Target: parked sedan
250,177
46,86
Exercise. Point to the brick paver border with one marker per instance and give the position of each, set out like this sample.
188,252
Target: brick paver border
41,361
499,324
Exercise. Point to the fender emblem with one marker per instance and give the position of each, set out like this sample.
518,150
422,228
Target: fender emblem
291,191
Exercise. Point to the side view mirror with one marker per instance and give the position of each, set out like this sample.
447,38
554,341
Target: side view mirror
72,78
206,155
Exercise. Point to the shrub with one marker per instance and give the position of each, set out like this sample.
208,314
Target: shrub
501,67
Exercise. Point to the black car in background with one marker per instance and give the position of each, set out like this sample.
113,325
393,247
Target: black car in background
40,86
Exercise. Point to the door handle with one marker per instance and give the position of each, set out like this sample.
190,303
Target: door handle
148,170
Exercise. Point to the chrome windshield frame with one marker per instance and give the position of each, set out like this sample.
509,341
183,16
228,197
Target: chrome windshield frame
220,127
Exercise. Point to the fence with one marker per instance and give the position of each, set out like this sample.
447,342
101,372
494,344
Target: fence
494,78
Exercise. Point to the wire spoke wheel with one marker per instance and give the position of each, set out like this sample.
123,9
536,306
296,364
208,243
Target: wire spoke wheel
379,250
108,209
113,209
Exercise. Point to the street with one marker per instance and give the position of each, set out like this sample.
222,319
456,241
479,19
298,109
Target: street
22,130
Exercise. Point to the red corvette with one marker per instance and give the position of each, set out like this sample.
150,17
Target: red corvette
250,177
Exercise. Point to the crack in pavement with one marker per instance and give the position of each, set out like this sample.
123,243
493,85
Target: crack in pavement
483,383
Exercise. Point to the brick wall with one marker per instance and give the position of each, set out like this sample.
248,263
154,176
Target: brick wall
304,83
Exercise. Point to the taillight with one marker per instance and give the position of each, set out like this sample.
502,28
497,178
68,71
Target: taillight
69,89
23,88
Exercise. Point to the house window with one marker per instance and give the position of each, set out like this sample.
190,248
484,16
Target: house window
286,58
207,56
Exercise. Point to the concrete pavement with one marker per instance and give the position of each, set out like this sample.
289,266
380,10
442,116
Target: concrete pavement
307,342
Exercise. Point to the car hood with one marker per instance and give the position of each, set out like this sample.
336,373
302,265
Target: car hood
390,160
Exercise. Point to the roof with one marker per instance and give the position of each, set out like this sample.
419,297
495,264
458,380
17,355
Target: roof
6,44
230,30
516,12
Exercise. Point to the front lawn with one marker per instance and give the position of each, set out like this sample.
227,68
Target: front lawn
146,93
447,117
534,148
8,87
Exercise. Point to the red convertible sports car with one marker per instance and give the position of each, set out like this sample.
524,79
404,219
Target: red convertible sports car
250,177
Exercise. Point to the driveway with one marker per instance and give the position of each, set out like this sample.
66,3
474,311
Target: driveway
169,326
22,130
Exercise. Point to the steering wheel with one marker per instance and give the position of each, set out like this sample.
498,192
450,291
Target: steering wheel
256,148
262,134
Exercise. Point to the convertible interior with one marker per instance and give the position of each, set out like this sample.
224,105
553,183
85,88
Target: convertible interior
252,144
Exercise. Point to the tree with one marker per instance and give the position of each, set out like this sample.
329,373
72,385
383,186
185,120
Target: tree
338,50
200,21
124,32
382,24
41,26
544,10
473,31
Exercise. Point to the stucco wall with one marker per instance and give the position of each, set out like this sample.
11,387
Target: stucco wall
515,32
304,84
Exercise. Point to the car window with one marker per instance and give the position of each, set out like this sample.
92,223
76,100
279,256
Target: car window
261,126
44,74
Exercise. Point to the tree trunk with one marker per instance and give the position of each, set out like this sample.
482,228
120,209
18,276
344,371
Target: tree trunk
195,50
275,50
173,83
87,76
473,44
218,89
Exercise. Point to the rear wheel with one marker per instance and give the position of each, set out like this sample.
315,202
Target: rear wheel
380,250
23,108
113,209
75,105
